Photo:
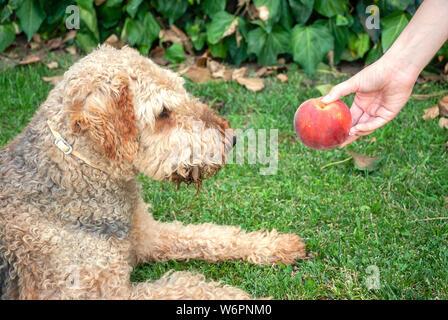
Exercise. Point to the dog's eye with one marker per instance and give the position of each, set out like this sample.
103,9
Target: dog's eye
164,114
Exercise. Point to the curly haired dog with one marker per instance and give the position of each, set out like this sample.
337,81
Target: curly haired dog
72,221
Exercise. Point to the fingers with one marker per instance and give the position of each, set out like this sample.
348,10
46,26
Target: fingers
342,89
362,129
356,113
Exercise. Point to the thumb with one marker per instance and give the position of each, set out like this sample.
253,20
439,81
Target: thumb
340,90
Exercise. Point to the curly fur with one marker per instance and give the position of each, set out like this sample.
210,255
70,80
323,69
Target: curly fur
72,231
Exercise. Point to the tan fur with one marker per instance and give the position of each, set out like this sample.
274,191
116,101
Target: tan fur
72,231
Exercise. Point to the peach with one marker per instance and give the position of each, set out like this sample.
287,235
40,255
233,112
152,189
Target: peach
322,126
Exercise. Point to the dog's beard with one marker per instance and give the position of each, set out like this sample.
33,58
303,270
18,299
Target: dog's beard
193,175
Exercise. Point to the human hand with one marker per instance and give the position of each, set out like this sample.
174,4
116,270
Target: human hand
381,92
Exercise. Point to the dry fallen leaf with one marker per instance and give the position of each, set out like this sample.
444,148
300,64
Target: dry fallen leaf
72,50
443,106
282,77
54,80
99,2
176,35
239,73
217,70
55,43
70,35
52,65
29,60
252,84
263,13
443,123
364,162
431,113
36,38
232,28
157,54
113,41
373,140
196,74
446,68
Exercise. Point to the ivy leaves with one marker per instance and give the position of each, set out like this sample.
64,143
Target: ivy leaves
30,16
310,44
268,45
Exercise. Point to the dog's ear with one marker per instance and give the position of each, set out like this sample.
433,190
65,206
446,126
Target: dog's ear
107,117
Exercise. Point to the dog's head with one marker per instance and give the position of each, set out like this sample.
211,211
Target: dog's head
133,112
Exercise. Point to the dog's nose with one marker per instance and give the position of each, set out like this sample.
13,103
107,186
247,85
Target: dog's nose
234,141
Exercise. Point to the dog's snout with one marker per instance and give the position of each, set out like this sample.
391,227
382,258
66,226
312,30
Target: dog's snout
233,141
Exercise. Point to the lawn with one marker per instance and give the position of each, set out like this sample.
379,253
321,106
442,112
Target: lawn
354,221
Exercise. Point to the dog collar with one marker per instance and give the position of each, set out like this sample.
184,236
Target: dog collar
66,148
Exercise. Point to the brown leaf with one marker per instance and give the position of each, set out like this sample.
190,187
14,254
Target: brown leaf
72,50
70,35
36,38
52,65
431,113
29,60
252,84
443,123
263,13
363,161
99,2
54,80
113,41
55,43
196,74
217,70
443,106
373,140
176,35
232,28
270,71
238,73
446,68
156,55
282,77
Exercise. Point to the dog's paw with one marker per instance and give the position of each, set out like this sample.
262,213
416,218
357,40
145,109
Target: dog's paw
287,249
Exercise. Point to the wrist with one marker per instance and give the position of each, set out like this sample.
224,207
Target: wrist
402,65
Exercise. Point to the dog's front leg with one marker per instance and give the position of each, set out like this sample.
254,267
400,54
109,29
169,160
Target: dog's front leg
158,241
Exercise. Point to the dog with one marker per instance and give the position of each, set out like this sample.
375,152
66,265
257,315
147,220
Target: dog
72,220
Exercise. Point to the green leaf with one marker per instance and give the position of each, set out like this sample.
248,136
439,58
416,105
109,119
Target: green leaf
237,54
171,9
87,41
196,36
359,43
324,88
175,53
374,54
132,7
151,29
341,20
268,45
218,50
341,36
301,10
132,31
87,14
392,25
310,44
286,19
30,17
220,23
7,35
212,7
274,8
331,8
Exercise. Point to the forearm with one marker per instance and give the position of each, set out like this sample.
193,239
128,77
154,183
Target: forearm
422,37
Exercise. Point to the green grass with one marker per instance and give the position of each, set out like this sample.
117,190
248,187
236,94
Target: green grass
350,219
